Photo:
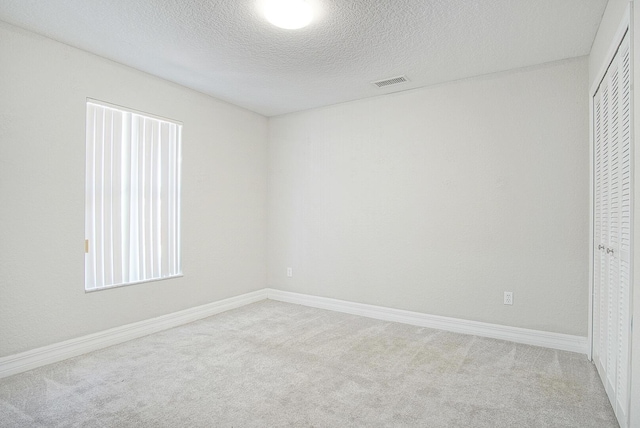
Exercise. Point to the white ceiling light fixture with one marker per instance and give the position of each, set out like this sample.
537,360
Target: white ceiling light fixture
288,14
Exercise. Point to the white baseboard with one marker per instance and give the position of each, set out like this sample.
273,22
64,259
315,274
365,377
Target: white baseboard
564,342
38,357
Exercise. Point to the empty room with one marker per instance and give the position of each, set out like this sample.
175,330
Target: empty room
255,213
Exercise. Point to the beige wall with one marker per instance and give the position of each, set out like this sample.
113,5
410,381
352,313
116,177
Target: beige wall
438,200
43,87
435,200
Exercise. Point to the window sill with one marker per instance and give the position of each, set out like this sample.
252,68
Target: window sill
110,287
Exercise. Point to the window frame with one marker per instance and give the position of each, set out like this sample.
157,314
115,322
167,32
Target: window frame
90,190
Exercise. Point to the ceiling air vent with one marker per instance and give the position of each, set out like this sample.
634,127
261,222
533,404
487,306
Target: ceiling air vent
390,81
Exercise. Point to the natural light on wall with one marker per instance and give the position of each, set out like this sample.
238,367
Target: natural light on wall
132,213
288,14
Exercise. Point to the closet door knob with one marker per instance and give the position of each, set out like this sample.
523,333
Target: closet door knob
609,250
600,247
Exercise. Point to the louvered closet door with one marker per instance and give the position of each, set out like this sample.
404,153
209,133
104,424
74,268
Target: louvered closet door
612,230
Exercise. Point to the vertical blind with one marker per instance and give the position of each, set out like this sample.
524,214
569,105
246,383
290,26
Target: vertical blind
132,214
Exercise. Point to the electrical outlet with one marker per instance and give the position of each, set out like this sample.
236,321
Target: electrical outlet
289,272
508,298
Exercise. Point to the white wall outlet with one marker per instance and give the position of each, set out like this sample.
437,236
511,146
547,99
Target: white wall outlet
289,272
508,298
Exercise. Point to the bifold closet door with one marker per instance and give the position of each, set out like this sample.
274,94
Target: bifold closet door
612,229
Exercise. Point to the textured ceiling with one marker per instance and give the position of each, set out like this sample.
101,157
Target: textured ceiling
226,49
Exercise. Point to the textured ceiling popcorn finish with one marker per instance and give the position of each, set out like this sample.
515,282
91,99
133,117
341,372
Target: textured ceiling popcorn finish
226,48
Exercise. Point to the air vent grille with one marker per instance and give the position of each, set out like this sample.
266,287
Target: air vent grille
390,81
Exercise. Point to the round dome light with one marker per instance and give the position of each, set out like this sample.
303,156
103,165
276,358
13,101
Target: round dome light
288,14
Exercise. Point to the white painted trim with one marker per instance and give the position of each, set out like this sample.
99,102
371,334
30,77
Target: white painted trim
38,357
545,339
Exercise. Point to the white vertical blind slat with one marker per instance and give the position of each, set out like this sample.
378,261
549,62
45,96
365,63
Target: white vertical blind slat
151,219
134,207
90,226
142,169
147,215
107,188
171,202
157,199
165,200
178,197
99,239
125,197
116,199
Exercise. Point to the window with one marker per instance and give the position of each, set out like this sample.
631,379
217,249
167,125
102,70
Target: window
132,208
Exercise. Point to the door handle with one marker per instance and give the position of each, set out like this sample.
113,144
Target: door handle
600,247
609,250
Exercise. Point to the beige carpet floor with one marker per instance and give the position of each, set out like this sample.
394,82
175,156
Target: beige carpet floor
273,364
